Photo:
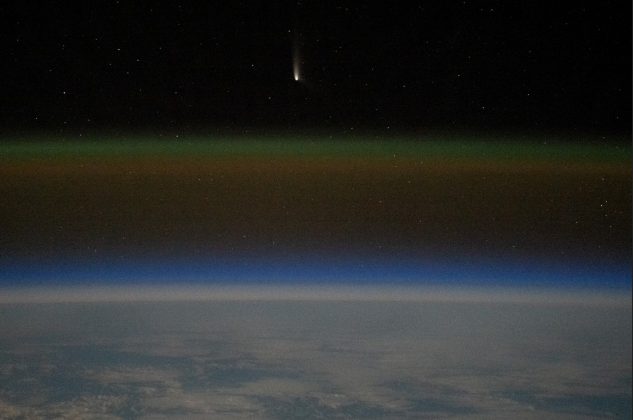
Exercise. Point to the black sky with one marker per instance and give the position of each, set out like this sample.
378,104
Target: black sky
403,65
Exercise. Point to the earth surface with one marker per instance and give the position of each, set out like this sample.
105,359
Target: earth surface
314,359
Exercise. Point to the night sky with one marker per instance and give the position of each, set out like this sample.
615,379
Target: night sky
446,143
383,65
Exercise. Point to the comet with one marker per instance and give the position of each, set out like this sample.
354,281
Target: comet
296,59
295,72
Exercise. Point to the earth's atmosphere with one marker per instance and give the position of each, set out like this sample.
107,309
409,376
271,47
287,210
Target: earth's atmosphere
313,278
316,358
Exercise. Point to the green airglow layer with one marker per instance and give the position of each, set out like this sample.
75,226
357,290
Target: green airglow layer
302,147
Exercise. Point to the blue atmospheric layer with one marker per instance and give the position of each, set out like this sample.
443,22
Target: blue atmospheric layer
370,271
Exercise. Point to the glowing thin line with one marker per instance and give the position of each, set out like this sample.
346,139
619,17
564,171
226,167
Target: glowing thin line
296,60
